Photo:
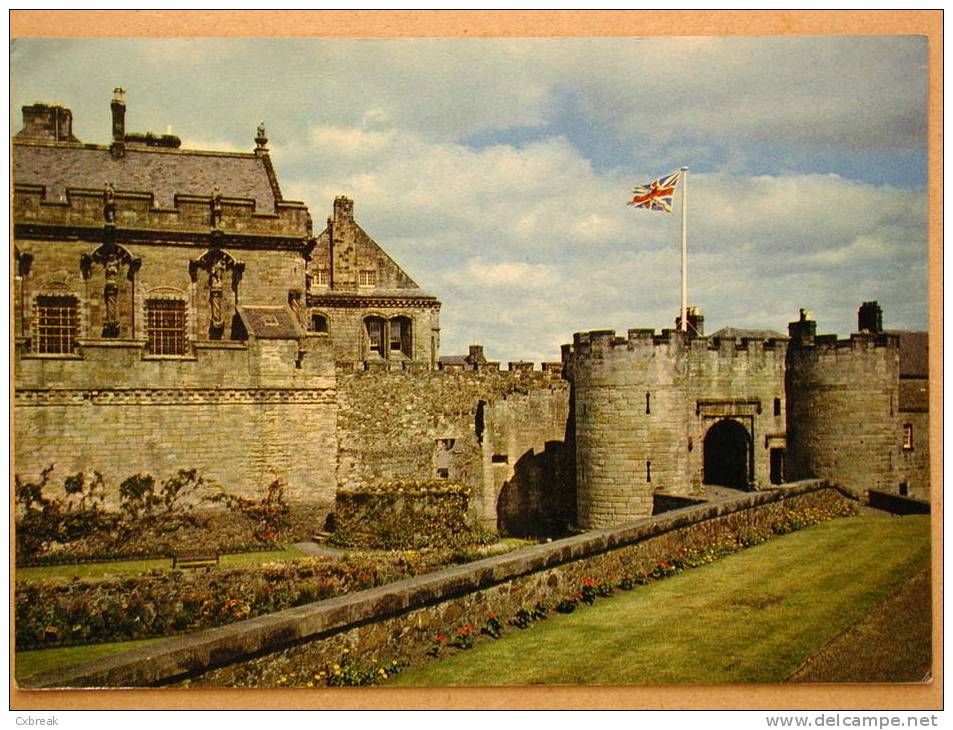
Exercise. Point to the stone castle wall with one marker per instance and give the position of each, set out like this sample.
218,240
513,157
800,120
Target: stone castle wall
242,414
843,414
490,431
349,338
644,404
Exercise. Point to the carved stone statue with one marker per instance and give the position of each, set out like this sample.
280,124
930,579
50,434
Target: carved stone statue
217,318
111,297
216,207
109,204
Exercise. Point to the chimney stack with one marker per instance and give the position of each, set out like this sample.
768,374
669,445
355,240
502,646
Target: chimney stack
118,105
870,318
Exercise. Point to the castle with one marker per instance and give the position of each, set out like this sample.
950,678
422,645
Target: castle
172,310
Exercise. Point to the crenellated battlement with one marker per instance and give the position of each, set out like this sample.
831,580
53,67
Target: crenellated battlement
857,342
596,344
547,372
134,215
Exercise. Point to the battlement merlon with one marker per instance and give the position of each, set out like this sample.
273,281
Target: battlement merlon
134,216
599,342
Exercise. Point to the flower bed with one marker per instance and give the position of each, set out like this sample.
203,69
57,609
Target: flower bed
158,603
402,515
460,623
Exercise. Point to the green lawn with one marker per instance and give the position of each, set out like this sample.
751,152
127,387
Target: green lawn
751,617
134,567
40,660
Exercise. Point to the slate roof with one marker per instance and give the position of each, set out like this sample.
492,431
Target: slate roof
162,172
914,354
737,333
269,322
914,395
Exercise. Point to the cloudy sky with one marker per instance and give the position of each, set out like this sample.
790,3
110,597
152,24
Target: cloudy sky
497,172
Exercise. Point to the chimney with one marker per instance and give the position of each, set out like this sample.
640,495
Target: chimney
118,105
476,356
696,322
52,123
870,318
805,329
343,209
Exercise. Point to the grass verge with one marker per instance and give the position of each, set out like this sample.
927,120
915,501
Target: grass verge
752,617
28,663
135,567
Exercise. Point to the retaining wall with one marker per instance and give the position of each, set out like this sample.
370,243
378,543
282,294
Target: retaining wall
404,616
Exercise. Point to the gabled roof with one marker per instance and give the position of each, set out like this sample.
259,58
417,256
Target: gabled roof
164,173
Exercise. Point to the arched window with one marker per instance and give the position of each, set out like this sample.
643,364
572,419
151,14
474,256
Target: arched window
319,323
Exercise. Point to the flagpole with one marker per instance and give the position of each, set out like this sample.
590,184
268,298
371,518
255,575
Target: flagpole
684,323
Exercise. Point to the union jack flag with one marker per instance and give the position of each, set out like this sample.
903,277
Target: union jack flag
657,195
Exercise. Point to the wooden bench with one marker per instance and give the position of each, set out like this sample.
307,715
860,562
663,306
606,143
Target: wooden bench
194,559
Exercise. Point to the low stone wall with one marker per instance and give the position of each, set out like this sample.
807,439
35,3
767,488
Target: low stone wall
405,616
897,504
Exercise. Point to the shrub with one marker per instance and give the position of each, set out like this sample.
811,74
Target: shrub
492,627
267,515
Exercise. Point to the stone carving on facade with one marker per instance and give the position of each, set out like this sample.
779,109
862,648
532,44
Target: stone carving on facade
216,208
216,318
111,296
109,204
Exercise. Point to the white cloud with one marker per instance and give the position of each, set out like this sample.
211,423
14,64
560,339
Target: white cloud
527,242
503,274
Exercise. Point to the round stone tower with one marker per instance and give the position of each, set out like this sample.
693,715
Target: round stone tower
630,412
842,404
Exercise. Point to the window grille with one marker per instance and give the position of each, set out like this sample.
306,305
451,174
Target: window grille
56,325
165,326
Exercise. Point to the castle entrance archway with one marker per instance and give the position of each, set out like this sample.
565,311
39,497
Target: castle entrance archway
727,454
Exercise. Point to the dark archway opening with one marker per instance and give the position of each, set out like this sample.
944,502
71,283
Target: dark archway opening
727,455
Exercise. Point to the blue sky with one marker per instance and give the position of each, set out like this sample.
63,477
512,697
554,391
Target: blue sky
497,171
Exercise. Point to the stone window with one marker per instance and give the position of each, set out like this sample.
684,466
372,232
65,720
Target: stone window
908,437
648,402
400,339
55,325
165,326
367,277
500,459
904,489
319,323
648,471
777,406
322,277
375,336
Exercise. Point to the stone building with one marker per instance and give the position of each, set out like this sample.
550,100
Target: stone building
172,310
665,415
371,310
